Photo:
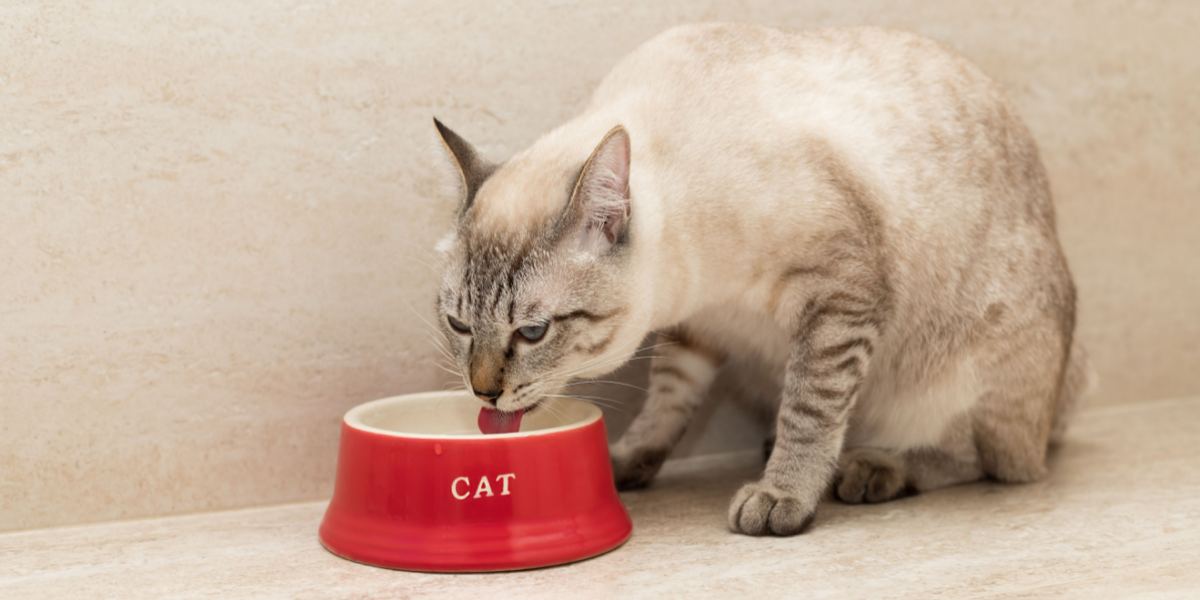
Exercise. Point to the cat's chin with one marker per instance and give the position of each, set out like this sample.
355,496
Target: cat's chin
524,407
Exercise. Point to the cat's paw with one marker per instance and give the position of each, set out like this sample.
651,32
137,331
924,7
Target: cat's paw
635,468
868,475
761,509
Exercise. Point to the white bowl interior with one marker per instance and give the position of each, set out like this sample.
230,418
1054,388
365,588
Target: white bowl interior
455,414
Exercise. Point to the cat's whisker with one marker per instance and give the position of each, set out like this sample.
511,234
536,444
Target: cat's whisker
591,364
449,385
437,338
429,257
571,373
606,382
602,402
428,325
636,354
557,389
449,371
606,361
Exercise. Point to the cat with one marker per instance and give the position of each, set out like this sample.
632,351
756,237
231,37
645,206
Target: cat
859,213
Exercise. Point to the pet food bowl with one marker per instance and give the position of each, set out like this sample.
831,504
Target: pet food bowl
418,488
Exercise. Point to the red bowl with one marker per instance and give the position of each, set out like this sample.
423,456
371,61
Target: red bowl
419,488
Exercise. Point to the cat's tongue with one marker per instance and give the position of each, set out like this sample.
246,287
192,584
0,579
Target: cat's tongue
495,421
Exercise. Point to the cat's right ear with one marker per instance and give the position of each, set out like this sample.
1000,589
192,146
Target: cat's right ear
472,167
600,199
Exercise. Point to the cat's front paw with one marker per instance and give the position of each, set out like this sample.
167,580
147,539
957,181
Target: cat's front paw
635,468
761,509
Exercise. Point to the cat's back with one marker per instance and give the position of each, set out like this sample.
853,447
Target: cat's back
748,123
690,56
856,83
741,60
900,110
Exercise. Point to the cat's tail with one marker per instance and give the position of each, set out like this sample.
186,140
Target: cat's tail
1079,379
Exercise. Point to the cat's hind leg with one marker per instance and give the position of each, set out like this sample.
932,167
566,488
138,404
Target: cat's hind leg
1004,434
869,475
681,372
877,475
1013,420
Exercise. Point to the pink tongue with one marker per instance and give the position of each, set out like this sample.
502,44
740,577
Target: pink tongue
494,421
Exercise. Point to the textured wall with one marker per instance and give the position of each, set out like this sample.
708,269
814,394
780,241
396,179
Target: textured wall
215,216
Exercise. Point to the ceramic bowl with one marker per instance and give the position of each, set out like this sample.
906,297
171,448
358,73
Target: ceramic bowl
419,488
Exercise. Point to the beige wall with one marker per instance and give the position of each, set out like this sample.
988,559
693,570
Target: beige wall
214,216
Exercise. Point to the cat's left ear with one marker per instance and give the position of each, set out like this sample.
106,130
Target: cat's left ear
472,167
601,195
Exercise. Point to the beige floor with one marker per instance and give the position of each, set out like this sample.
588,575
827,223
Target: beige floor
1118,517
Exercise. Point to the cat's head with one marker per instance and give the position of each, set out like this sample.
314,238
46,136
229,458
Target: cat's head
539,283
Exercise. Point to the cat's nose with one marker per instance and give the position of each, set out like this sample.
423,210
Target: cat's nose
488,396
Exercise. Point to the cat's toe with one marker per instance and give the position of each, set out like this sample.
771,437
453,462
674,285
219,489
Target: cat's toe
759,509
869,476
635,469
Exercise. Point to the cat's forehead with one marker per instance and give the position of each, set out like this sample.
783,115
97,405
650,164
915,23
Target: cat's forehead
488,250
526,193
508,242
493,266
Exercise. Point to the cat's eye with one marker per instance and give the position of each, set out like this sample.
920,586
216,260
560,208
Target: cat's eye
457,325
533,333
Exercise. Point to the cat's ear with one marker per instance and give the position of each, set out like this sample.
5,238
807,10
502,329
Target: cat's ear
600,199
472,167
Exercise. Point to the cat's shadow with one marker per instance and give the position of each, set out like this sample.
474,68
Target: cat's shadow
697,489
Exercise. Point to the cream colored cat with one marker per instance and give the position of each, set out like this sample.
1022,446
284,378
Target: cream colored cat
857,212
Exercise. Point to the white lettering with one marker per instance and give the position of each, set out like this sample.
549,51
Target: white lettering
454,488
504,478
484,488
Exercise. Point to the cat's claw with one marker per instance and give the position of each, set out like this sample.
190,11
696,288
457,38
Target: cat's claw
761,509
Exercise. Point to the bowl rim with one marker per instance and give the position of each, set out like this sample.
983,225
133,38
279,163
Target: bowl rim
353,419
